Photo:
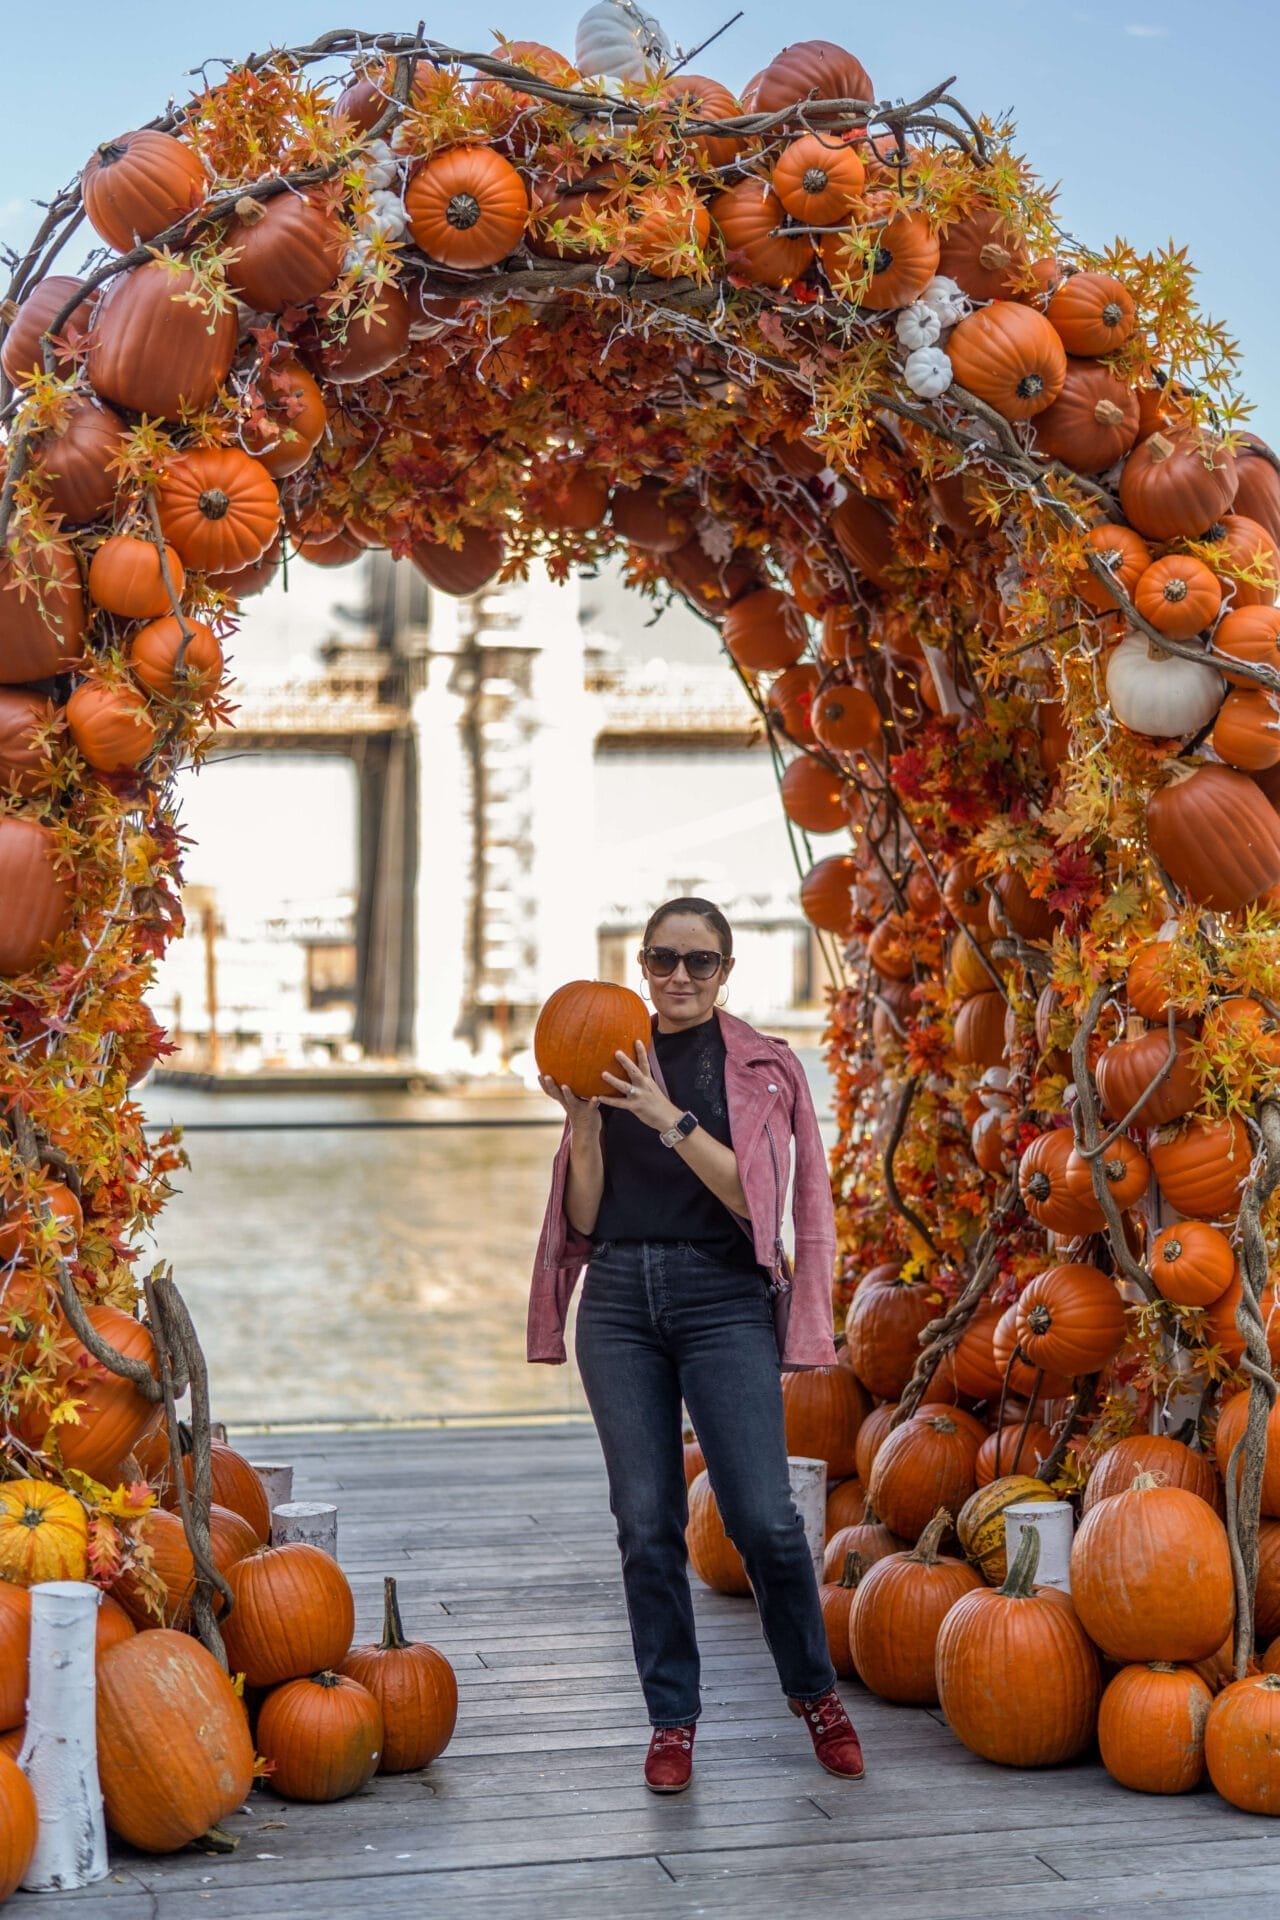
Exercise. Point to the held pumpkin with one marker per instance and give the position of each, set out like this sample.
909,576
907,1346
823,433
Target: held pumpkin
415,1687
580,1030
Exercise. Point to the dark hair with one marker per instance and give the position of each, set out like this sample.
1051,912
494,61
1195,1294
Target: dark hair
705,910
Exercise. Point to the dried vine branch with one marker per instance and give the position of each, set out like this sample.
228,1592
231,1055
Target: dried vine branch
1089,1142
1248,1456
900,1206
942,1334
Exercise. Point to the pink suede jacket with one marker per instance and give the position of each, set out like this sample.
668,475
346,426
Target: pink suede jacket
770,1107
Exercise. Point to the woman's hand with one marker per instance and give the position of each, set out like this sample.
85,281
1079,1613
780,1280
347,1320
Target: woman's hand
584,1115
638,1091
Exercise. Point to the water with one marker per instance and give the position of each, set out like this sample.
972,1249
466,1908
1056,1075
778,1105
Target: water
368,1275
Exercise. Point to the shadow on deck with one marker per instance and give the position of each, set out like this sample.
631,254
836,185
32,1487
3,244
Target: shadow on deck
501,1543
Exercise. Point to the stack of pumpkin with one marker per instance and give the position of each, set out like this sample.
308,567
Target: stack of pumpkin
176,1742
1140,1654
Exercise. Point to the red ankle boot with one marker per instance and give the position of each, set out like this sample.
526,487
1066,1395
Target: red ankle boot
669,1765
831,1730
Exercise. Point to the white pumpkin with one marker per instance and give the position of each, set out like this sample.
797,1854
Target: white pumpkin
928,372
1157,693
619,39
917,326
947,298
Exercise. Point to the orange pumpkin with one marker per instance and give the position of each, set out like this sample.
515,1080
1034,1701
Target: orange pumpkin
883,1325
846,719
752,224
37,894
288,250
26,720
1169,1461
884,266
1192,1264
42,615
152,351
126,577
322,1736
1092,313
1009,1451
1202,1166
653,516
988,1644
1009,355
293,1614
461,569
712,1554
1047,1194
292,419
823,1407
167,664
19,1826
1124,555
1178,596
1246,558
22,353
1252,635
897,1612
924,1464
813,796
580,1030
351,350
809,70
1175,485
765,631
218,507
1092,423
1070,1321
1128,1080
818,178
1151,1727
983,254
467,207
826,893
1215,835
111,726
1125,1169
1151,1574
136,186
1241,1738
1246,733
73,457
698,98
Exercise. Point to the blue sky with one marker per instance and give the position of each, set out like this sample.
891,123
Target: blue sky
1157,116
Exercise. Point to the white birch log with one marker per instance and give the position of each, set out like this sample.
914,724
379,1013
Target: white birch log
809,1491
311,1521
218,1431
1054,1521
60,1748
277,1481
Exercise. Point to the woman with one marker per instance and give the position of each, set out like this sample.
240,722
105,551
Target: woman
673,1187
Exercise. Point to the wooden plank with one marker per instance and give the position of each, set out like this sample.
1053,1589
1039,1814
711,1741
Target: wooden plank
504,1553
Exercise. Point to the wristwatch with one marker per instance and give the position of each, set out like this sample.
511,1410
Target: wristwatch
683,1127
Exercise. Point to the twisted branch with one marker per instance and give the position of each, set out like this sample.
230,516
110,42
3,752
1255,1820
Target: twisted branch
1090,1142
942,1334
1248,1456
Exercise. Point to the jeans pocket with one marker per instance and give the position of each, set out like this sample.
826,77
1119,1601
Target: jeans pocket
699,1254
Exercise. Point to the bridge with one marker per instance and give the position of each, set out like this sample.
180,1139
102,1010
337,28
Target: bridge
472,726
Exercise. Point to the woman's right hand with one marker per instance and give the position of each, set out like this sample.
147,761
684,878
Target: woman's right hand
584,1115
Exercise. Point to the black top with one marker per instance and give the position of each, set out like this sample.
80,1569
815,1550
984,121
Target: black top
649,1192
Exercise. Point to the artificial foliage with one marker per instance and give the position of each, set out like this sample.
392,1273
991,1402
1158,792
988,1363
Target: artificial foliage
829,369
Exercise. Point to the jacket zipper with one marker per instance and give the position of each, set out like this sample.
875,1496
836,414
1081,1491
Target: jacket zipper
778,1250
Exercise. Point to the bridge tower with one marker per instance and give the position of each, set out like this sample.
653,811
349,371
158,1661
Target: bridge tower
504,733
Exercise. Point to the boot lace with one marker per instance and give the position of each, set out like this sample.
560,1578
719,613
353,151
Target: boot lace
827,1715
664,1737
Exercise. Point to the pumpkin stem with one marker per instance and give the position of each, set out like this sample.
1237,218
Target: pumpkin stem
854,1568
1039,1319
1270,1681
463,211
815,180
1020,1580
1142,1481
925,1553
214,504
1161,1666
393,1634
110,151
941,1423
328,1679
1171,1251
249,211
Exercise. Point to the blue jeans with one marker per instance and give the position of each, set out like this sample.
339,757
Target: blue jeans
660,1322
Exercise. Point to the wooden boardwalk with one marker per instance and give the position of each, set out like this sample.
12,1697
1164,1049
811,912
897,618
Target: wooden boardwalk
502,1545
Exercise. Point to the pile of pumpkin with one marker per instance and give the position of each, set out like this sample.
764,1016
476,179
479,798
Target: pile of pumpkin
921,1606
180,1742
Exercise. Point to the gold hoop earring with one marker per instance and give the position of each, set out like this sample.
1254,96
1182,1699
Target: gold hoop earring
722,998
644,989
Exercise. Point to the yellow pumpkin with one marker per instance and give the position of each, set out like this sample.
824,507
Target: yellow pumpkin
44,1533
980,1522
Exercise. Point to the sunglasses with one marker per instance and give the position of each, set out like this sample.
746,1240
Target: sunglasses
699,965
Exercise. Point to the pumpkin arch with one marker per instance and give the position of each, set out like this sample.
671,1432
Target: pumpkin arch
804,421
